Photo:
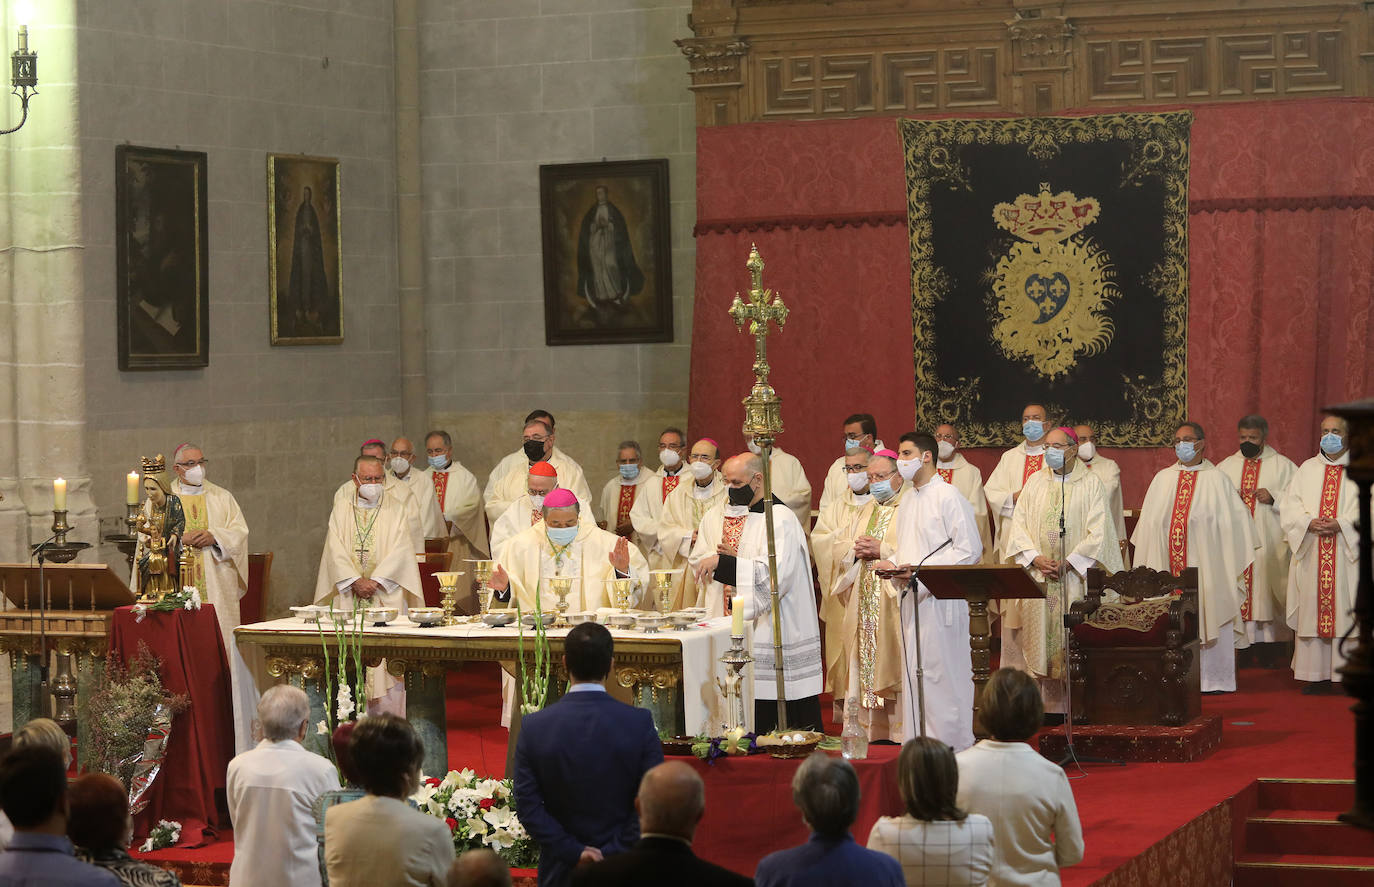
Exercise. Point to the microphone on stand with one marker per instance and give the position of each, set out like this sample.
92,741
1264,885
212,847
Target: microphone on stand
916,618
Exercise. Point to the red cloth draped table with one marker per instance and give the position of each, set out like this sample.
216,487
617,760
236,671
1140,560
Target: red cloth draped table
190,788
749,809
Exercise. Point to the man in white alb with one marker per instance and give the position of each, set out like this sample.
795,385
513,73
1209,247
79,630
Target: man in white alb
956,471
460,499
1109,472
506,483
683,512
788,480
648,507
860,433
400,466
832,540
619,494
1013,470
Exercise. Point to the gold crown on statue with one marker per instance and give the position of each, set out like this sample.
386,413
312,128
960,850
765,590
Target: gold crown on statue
155,465
1046,217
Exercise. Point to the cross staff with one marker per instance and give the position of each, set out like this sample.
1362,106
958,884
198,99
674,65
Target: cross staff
763,419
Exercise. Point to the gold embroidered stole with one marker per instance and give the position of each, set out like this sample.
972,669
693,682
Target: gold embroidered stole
197,518
1326,554
870,595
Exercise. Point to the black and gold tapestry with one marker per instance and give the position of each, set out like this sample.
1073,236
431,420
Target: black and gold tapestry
1049,264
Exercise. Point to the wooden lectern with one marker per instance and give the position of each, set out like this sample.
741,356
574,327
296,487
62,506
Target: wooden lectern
78,600
978,584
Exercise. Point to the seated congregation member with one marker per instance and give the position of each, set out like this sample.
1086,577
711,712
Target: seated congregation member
101,827
671,803
479,868
351,791
272,790
826,790
935,841
380,838
40,731
1034,818
33,793
579,762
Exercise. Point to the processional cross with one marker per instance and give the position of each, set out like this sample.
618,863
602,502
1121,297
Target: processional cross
763,419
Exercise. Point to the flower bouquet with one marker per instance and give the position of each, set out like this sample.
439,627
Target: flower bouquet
186,599
480,813
165,834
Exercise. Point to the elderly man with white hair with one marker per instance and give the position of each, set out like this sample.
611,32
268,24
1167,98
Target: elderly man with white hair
272,789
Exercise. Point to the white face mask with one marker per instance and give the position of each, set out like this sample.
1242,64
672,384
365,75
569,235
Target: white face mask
857,481
946,450
907,468
370,493
399,465
755,448
669,458
701,470
1086,451
195,475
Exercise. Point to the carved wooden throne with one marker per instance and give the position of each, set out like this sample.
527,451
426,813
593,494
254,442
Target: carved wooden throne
1134,660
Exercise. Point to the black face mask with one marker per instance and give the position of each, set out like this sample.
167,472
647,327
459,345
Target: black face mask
741,495
534,450
1250,450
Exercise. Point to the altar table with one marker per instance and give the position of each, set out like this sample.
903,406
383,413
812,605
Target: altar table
190,788
670,673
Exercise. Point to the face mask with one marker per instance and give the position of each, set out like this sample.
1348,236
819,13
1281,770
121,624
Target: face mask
881,490
1054,458
439,462
399,465
1086,451
669,458
908,468
857,481
195,476
1250,449
852,446
1332,443
755,448
701,470
629,472
561,536
1185,450
946,450
534,450
741,495
370,492
537,500
1033,429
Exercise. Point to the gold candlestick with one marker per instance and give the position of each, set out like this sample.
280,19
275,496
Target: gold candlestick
448,587
127,542
482,570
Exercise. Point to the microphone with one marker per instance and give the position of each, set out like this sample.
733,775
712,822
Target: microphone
929,554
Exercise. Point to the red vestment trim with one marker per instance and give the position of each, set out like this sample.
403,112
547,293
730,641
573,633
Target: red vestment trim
1033,464
1326,555
1249,483
948,475
626,502
670,484
440,485
1178,523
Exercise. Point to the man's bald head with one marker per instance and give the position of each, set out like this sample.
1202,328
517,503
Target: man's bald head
743,467
479,868
706,447
671,801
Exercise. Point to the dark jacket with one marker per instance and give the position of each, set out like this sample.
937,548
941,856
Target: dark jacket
662,862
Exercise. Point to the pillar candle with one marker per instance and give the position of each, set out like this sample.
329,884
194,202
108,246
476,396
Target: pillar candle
131,488
59,494
737,616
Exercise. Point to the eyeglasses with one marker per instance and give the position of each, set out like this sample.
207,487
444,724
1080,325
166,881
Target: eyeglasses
193,464
699,457
855,469
676,448
1060,446
435,451
855,435
879,477
1187,439
634,460
404,454
949,437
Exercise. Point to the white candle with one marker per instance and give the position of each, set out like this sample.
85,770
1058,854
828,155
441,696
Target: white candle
59,494
131,486
23,38
737,616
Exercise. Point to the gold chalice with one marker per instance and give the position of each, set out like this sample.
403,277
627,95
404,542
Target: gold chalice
663,588
448,587
620,593
482,569
561,586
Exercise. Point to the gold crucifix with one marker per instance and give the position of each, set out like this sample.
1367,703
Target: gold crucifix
762,408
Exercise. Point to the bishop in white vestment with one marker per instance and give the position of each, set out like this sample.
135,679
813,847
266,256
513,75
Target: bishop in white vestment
528,509
1016,466
1260,475
1059,530
1318,513
832,540
732,550
1193,517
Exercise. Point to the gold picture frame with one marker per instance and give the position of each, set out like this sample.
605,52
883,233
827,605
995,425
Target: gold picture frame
304,250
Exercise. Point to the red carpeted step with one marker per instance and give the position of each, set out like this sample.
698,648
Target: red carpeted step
1306,794
1316,832
1289,870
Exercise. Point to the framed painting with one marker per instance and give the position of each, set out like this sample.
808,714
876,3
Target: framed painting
304,254
608,275
162,259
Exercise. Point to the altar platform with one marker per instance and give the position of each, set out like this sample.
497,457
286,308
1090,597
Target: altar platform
1155,824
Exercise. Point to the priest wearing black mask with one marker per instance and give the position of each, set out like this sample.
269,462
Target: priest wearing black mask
731,553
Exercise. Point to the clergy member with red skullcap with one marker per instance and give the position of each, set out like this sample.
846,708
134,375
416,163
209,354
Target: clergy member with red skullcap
527,510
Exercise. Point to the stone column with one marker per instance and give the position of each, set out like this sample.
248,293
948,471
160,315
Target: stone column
409,223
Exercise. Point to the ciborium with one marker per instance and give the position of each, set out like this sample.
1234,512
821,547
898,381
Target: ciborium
448,589
663,588
561,586
482,570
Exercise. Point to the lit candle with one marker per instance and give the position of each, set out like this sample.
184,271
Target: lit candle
737,616
59,494
23,38
131,488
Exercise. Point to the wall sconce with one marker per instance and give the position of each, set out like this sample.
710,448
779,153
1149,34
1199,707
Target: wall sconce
24,76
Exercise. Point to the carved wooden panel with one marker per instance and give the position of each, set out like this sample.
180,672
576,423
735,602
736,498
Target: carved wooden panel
849,83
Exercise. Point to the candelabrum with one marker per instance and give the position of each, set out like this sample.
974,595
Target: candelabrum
448,588
663,588
561,586
127,542
482,570
58,549
732,688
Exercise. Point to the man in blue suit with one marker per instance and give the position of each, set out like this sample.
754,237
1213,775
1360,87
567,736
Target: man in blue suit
578,764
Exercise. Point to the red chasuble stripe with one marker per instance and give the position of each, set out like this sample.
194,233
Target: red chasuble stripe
625,503
670,484
1178,523
948,475
1249,482
1326,555
1033,464
440,485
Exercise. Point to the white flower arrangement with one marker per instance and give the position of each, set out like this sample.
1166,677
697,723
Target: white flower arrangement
165,834
479,812
186,599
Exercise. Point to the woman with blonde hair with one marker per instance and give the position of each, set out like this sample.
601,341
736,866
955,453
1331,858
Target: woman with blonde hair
938,844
